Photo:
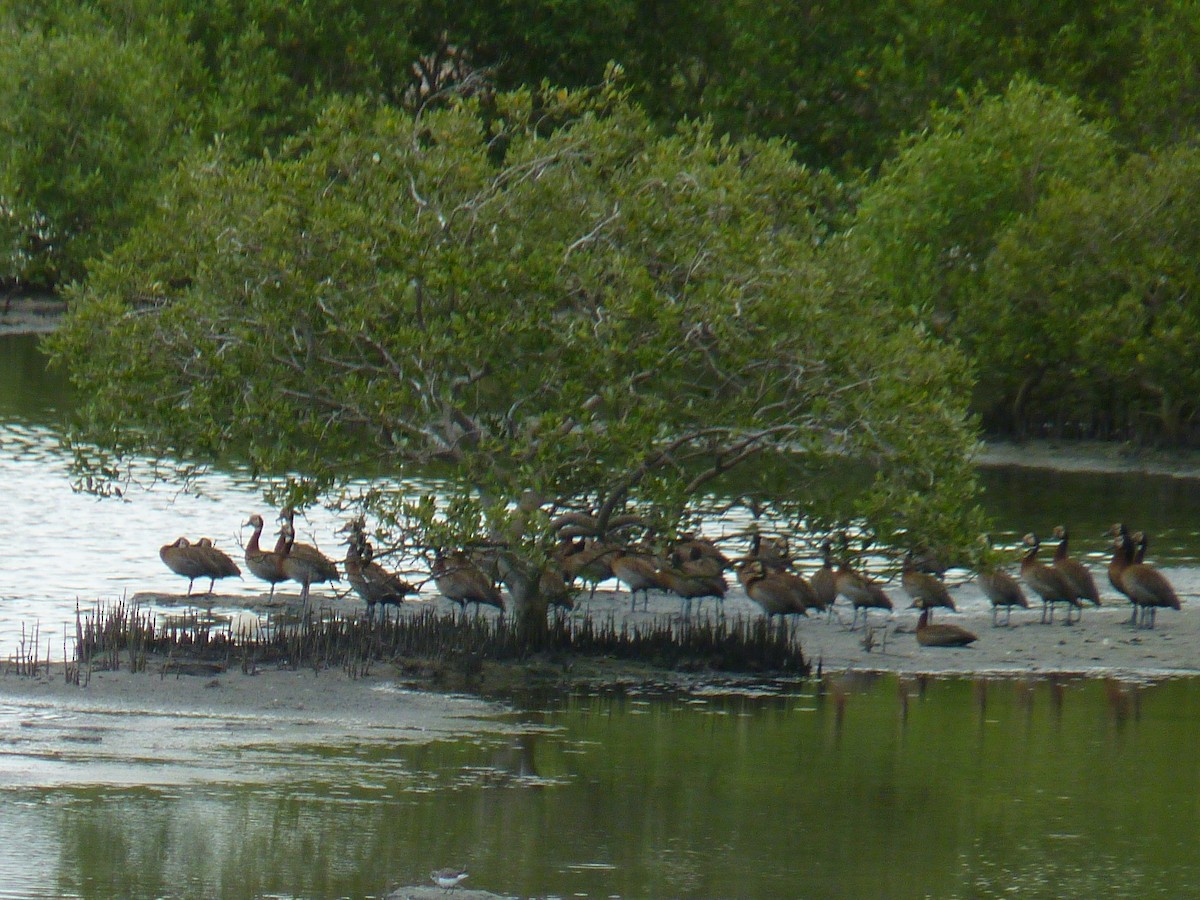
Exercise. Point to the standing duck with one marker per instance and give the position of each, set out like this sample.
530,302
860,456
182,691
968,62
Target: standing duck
371,581
777,593
998,586
1148,588
926,591
638,571
1123,551
264,564
182,559
864,594
587,560
461,581
929,635
689,586
303,563
1046,581
823,581
216,562
1077,573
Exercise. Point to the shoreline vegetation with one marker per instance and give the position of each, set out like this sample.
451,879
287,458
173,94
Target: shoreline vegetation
175,670
1102,645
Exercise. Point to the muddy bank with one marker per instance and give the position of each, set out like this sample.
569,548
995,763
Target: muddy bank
430,697
1098,457
30,315
305,703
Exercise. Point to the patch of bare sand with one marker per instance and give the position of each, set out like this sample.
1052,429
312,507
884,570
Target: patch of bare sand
327,701
1101,643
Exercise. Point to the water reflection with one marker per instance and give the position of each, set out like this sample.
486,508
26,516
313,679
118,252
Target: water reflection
945,788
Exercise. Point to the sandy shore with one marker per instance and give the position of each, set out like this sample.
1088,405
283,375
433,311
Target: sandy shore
300,702
1100,644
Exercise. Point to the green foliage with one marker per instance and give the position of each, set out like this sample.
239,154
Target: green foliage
88,123
1102,285
1160,99
845,81
587,314
928,225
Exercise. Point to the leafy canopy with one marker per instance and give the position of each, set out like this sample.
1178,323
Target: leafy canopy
537,290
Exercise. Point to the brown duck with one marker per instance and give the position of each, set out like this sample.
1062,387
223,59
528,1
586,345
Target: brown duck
217,561
1077,573
461,581
693,586
371,581
864,594
1147,587
638,571
303,563
182,559
264,564
1047,582
942,635
823,581
926,591
998,586
776,593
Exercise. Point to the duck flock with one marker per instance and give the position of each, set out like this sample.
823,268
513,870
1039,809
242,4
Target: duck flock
693,569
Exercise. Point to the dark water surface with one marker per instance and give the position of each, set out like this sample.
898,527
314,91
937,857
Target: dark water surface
851,787
879,787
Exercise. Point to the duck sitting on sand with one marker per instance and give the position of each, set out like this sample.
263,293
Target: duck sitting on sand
942,635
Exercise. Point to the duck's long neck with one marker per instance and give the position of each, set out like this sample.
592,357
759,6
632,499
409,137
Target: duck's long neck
253,547
1061,552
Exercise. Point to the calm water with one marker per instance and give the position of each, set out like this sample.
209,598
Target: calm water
878,788
849,788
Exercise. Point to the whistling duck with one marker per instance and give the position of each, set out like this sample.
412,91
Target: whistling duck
778,593
371,581
1046,581
552,584
698,556
823,581
926,591
461,581
264,564
772,552
998,586
638,572
1077,573
181,558
940,635
864,594
303,563
587,560
689,587
217,562
1147,587
1123,551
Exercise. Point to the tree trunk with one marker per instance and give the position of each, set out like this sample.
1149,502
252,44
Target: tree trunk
1021,401
528,604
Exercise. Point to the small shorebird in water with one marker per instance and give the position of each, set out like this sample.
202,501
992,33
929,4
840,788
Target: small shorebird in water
447,879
